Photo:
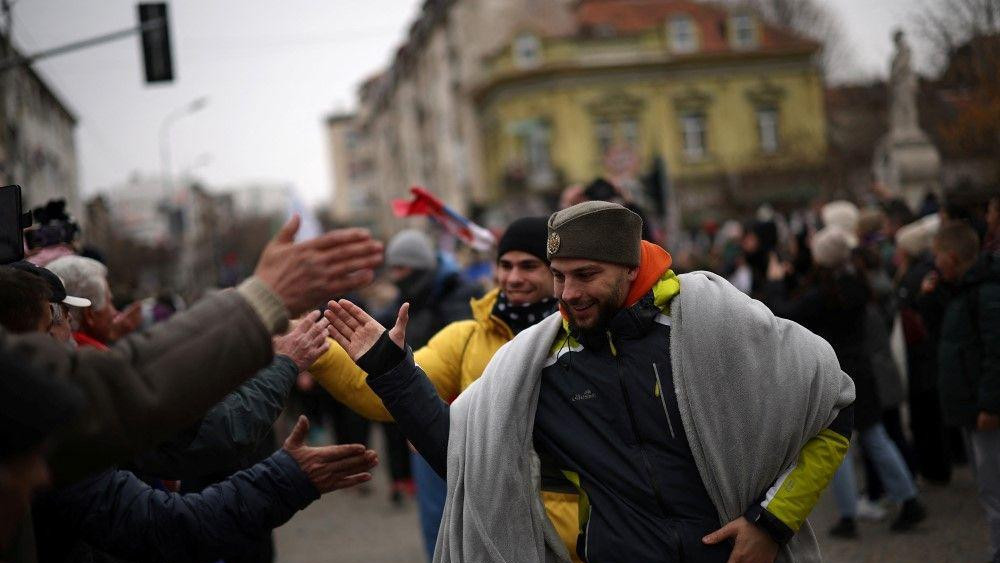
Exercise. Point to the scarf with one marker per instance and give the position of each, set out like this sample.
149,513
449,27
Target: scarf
520,317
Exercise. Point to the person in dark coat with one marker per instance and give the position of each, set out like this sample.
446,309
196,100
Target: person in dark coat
238,432
833,304
115,514
969,355
920,321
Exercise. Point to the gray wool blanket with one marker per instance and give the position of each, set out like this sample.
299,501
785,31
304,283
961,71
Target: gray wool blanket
752,390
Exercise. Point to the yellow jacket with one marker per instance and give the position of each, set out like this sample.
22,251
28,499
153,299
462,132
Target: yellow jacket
454,358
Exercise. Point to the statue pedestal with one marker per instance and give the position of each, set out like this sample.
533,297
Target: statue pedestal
909,165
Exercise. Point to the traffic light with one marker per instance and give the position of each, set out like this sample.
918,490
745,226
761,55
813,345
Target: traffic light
157,60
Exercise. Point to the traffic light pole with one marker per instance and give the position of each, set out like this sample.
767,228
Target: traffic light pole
18,60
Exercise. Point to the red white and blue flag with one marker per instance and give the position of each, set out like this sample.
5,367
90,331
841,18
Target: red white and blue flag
426,203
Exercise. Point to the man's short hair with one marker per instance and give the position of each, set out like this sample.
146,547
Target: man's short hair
83,277
23,300
958,237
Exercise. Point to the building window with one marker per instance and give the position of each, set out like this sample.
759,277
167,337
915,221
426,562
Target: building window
744,31
694,135
630,132
767,129
605,132
533,145
683,38
527,51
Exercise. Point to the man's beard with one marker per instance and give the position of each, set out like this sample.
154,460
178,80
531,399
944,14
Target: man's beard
606,310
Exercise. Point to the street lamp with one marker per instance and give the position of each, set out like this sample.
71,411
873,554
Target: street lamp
191,107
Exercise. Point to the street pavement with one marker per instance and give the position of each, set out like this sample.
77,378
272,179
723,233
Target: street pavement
348,527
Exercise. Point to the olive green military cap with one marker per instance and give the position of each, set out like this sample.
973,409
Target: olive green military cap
595,230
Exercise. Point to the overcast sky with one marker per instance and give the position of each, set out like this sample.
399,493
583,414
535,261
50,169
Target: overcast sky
271,71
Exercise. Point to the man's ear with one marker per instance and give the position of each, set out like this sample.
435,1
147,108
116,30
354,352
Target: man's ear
87,316
633,273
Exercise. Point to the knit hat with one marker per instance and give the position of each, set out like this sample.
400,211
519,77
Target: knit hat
412,249
526,234
595,230
841,213
831,246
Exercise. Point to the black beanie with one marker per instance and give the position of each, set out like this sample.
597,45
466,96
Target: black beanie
527,234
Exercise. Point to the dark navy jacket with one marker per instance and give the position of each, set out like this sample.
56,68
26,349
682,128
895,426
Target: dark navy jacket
116,513
609,418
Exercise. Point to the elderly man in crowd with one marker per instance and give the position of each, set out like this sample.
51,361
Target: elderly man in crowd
93,326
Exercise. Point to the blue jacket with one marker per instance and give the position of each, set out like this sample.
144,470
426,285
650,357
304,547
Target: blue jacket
116,513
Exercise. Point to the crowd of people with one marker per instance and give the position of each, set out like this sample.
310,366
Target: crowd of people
600,400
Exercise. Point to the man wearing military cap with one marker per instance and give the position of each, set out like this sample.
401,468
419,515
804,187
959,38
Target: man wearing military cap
696,425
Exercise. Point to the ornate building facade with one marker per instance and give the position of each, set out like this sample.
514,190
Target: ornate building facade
708,103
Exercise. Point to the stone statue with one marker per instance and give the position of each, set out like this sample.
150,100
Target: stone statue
902,90
905,160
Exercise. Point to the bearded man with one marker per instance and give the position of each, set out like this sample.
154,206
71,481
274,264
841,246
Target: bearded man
698,426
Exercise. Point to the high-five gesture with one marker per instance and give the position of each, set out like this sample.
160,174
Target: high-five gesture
356,331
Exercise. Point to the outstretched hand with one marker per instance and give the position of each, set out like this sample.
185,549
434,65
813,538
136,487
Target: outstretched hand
305,342
329,467
356,331
303,274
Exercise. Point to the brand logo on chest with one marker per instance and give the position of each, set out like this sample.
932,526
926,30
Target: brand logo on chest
585,396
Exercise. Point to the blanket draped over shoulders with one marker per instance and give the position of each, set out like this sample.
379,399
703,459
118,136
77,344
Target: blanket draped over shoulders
752,390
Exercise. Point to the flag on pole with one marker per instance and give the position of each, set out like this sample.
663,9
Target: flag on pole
426,203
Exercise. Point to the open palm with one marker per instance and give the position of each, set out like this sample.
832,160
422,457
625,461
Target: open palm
356,331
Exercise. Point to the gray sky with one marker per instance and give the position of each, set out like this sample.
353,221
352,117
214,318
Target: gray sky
271,70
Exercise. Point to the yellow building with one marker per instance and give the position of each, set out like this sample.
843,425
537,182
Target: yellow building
729,109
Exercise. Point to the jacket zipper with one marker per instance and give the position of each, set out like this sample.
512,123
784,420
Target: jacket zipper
635,432
659,385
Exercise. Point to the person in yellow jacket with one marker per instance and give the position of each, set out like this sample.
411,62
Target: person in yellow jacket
457,355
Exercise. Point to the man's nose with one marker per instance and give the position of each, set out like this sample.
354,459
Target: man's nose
570,291
515,277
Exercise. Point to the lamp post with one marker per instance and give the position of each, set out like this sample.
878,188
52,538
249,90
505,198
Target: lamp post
187,109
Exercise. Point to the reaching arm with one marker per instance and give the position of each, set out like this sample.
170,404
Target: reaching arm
118,513
226,438
404,388
152,383
441,360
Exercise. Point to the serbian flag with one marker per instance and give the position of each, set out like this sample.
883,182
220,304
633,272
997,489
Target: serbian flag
426,203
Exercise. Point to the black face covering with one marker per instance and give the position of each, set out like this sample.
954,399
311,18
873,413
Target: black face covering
520,317
415,287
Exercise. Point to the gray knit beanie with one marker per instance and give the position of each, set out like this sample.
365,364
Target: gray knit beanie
411,248
596,230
